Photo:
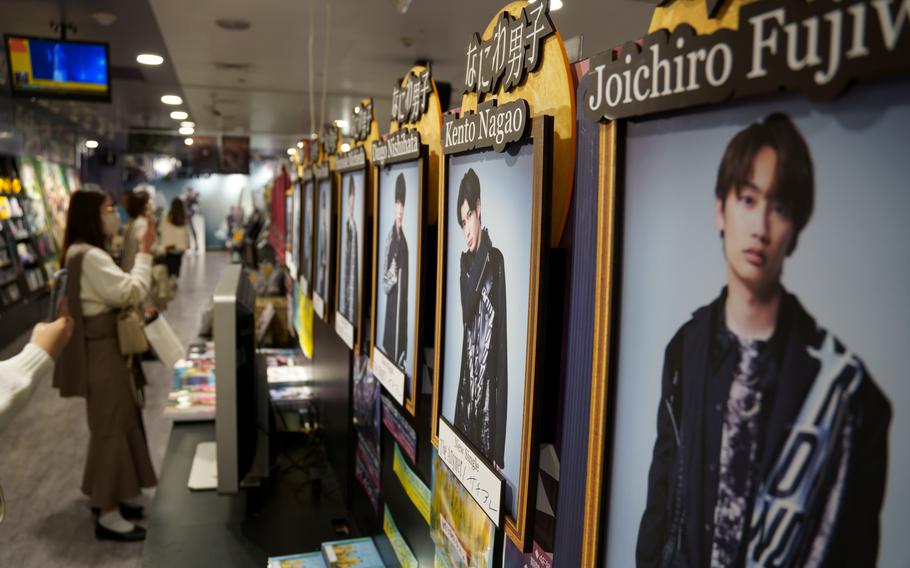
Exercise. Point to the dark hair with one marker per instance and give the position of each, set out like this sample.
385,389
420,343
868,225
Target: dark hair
468,191
400,190
83,220
177,213
794,183
135,203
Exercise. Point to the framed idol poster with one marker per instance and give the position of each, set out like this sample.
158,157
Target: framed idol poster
398,216
492,254
324,226
292,224
401,168
751,309
353,175
494,233
308,208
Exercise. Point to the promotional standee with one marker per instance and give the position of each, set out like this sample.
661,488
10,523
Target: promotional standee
324,208
494,230
751,276
354,185
401,170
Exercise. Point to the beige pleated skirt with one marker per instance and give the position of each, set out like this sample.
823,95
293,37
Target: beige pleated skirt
118,463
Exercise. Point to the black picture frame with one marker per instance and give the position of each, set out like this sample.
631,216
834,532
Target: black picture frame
323,175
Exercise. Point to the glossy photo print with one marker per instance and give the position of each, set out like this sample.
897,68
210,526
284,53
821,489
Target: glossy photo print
486,295
306,239
324,228
396,274
350,254
760,385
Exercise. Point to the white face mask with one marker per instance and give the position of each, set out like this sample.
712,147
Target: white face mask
110,222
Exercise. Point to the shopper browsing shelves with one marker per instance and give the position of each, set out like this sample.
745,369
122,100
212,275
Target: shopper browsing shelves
118,465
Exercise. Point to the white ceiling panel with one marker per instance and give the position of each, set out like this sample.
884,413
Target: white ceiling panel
257,81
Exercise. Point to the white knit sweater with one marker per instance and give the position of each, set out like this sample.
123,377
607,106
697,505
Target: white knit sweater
105,287
18,377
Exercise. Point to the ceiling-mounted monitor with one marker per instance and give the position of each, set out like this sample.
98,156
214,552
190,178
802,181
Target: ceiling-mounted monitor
44,67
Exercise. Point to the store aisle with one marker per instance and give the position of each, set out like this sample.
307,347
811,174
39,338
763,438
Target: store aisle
42,452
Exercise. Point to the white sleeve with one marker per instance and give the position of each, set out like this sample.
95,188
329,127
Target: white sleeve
18,377
113,286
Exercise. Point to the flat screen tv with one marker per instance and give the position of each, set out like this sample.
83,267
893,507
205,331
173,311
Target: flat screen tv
241,397
43,67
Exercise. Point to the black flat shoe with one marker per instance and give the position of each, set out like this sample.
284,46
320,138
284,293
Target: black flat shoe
104,533
128,512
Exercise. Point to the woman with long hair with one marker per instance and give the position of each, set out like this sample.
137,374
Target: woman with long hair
136,204
118,465
175,238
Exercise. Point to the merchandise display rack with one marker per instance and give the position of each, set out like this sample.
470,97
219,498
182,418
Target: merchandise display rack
23,253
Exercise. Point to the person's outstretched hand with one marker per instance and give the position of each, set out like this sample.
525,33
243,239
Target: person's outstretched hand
53,336
148,238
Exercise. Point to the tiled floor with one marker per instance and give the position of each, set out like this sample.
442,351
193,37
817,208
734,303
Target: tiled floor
42,452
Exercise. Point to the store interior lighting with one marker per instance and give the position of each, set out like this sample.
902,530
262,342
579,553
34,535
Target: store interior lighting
171,100
179,115
187,130
149,59
91,144
188,141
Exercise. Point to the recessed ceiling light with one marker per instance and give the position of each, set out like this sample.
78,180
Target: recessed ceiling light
291,151
188,141
300,145
149,59
171,100
345,147
187,130
341,123
233,24
179,115
103,18
91,144
188,123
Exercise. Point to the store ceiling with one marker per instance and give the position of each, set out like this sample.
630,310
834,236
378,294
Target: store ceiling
136,88
256,81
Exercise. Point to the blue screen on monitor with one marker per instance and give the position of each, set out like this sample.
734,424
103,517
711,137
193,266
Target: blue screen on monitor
68,62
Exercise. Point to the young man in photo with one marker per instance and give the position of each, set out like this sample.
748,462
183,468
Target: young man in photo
481,403
395,283
307,233
350,269
771,435
322,255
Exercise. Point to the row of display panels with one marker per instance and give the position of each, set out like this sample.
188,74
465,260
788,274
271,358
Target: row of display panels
697,207
327,214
